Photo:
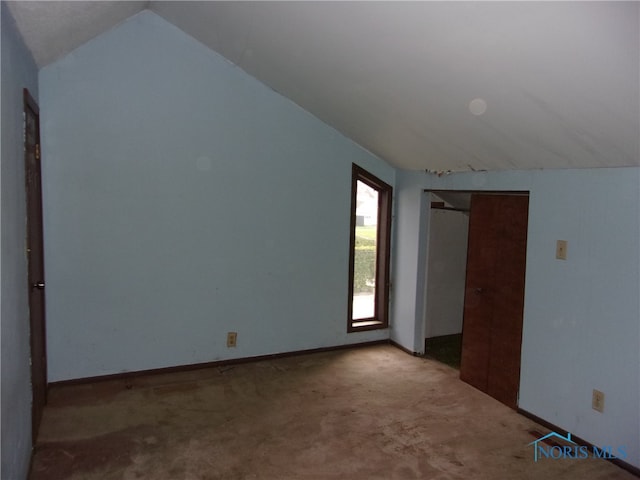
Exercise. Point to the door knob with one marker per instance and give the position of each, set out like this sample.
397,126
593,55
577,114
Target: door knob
38,285
479,291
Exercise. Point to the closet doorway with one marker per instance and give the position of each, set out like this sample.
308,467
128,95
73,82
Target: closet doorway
493,294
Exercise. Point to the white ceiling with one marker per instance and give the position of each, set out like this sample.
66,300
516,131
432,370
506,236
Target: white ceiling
560,81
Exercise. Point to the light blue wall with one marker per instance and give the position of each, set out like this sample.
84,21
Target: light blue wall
184,199
582,315
18,71
446,271
407,308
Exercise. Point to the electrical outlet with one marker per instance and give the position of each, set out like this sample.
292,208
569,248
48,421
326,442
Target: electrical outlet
232,338
597,401
561,249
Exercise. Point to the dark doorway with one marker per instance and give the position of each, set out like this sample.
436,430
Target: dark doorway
35,257
494,294
446,272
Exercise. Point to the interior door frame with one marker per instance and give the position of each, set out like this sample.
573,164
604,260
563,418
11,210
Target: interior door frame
428,198
35,262
427,219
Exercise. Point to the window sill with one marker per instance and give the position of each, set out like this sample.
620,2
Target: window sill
366,324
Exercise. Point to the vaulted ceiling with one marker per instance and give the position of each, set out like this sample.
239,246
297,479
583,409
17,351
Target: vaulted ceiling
424,85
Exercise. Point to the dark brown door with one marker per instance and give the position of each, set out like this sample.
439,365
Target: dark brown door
35,255
494,295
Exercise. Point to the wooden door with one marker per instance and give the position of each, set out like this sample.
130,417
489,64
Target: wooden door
35,256
494,295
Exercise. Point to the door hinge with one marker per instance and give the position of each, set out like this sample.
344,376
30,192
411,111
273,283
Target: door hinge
37,151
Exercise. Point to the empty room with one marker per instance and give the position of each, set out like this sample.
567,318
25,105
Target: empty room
320,240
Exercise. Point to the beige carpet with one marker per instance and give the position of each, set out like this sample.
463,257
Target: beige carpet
366,413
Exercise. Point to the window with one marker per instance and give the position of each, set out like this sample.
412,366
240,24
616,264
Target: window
369,252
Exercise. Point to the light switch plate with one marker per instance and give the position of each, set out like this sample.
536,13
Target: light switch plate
561,249
597,401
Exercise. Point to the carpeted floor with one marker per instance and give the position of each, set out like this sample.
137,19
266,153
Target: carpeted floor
365,413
